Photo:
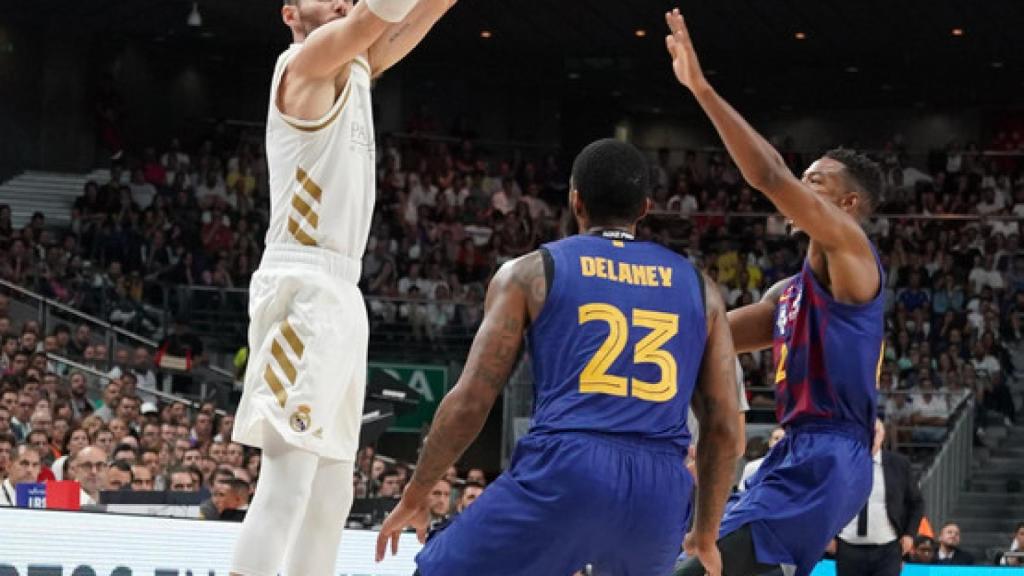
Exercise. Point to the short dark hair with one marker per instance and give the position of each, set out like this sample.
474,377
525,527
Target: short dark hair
922,539
238,486
611,179
123,466
862,171
124,447
390,471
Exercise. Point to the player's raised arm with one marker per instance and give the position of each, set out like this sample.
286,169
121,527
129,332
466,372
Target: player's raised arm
399,39
515,293
328,48
821,218
714,403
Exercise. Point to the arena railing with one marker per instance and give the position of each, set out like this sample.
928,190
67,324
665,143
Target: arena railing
943,480
49,313
221,314
101,377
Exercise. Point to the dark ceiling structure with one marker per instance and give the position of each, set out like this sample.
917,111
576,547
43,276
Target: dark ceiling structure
776,54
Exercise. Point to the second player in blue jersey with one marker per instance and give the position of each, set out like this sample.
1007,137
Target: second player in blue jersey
825,325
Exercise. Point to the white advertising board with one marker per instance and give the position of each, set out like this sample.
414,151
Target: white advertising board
54,543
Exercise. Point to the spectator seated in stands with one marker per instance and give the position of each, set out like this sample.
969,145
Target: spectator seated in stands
231,499
470,492
24,468
924,550
930,411
119,476
89,468
390,484
1015,556
949,551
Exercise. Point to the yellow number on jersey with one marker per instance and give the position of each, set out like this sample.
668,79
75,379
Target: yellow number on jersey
780,372
648,350
595,378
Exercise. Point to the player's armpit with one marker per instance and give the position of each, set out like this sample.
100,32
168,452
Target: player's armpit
751,325
716,407
491,359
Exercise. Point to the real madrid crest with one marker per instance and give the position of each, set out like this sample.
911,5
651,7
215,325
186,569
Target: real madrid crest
300,419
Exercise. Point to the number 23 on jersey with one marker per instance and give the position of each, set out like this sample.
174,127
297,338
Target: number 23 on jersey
663,326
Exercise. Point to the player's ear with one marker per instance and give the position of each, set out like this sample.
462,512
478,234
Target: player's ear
290,14
578,209
646,209
850,202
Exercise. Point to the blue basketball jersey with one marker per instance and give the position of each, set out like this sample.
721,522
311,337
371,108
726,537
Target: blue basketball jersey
619,342
828,355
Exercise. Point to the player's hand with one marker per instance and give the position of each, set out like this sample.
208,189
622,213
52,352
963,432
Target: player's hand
907,544
706,550
405,514
684,57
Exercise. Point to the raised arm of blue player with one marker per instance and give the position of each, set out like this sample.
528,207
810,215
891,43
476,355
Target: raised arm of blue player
514,298
853,275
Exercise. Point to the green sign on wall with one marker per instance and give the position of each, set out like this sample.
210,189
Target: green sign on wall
430,382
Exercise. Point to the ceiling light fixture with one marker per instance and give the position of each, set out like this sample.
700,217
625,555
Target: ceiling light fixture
195,19
640,33
486,34
800,36
957,32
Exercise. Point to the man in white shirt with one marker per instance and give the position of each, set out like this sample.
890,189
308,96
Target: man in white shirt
90,470
24,469
930,412
875,541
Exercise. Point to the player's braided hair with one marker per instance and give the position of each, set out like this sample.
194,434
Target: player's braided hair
863,171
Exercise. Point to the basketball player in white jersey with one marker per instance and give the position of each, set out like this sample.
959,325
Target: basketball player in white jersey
308,334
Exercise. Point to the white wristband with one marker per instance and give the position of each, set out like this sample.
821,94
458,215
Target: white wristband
391,10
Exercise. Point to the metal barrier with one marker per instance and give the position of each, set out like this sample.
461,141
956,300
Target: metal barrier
942,481
102,377
49,313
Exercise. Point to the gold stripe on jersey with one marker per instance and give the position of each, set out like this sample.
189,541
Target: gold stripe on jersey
299,233
311,187
305,211
327,121
282,360
275,385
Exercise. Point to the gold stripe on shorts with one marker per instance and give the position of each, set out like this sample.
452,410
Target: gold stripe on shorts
293,339
275,385
282,360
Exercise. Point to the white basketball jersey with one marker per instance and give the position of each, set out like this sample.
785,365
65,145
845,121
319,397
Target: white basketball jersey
322,172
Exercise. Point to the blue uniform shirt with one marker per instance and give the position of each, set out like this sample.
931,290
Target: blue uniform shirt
619,342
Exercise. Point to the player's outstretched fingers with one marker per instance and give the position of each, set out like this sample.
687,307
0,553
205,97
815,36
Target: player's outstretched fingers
382,542
670,43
